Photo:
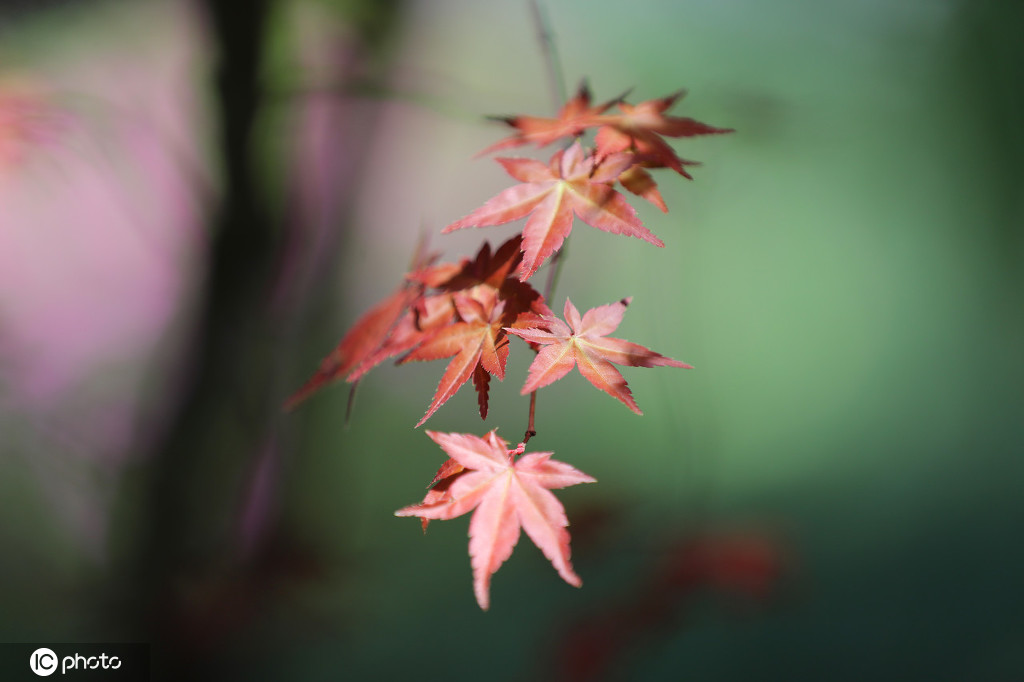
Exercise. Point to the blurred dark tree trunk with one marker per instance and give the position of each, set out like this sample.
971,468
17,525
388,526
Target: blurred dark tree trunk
194,589
223,416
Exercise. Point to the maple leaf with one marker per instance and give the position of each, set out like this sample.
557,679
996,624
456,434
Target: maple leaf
387,329
410,318
508,494
492,271
639,182
570,183
487,268
440,485
373,338
584,343
575,116
639,129
477,299
478,343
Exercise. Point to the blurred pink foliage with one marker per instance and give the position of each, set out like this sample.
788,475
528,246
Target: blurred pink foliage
103,186
102,214
107,189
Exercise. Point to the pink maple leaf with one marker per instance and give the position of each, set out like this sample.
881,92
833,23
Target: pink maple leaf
584,343
508,494
570,183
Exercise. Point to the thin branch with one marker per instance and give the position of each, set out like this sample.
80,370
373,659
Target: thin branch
554,270
556,80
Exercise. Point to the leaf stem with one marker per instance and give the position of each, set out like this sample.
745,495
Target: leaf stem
530,430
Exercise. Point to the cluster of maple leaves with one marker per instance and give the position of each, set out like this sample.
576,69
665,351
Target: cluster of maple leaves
466,311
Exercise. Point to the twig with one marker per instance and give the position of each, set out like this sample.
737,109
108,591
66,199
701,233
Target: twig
530,430
556,80
554,270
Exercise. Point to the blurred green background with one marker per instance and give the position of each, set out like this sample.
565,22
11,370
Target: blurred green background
834,493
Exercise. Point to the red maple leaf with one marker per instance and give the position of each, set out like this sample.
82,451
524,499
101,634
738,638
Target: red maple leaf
486,268
479,298
575,116
439,488
478,343
385,330
584,343
508,494
375,336
432,326
639,182
550,194
493,271
640,127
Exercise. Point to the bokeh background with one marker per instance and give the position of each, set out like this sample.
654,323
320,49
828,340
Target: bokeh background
197,199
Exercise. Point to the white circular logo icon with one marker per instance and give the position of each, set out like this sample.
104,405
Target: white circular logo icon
43,662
